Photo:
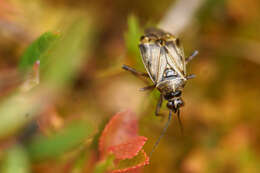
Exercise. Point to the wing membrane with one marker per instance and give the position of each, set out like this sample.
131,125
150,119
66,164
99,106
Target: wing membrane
162,64
154,60
175,58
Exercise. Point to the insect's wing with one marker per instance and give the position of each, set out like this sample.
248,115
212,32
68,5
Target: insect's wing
175,58
154,60
162,64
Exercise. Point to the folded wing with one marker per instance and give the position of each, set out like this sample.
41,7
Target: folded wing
154,59
175,58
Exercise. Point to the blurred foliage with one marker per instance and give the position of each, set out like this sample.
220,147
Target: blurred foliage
16,161
221,113
105,165
35,51
132,38
70,137
65,59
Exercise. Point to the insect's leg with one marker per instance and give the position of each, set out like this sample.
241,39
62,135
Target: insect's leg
191,76
134,72
150,87
162,133
195,53
159,105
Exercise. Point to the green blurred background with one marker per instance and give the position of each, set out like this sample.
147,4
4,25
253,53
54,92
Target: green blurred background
221,116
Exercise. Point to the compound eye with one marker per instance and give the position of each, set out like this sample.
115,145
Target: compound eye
170,105
179,103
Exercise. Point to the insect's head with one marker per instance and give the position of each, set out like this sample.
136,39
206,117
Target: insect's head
175,104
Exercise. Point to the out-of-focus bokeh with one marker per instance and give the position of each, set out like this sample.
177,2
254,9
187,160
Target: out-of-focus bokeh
51,108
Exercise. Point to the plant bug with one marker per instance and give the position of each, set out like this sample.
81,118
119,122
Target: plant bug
165,64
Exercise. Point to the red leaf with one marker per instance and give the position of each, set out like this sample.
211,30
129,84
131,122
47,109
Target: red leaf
133,164
120,138
129,149
120,129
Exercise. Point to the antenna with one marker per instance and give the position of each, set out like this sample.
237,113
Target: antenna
162,133
179,120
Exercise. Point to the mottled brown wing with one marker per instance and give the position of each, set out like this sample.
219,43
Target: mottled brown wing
154,60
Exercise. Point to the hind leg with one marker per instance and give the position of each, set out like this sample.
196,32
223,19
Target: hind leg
135,72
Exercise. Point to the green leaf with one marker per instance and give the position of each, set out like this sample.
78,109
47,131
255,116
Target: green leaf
43,147
67,54
64,61
103,166
16,160
132,37
35,51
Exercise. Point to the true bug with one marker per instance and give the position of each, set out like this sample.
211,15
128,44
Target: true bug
165,63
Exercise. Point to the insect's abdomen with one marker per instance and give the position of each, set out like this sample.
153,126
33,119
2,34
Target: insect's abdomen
170,85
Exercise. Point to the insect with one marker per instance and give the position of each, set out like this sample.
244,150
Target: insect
165,63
